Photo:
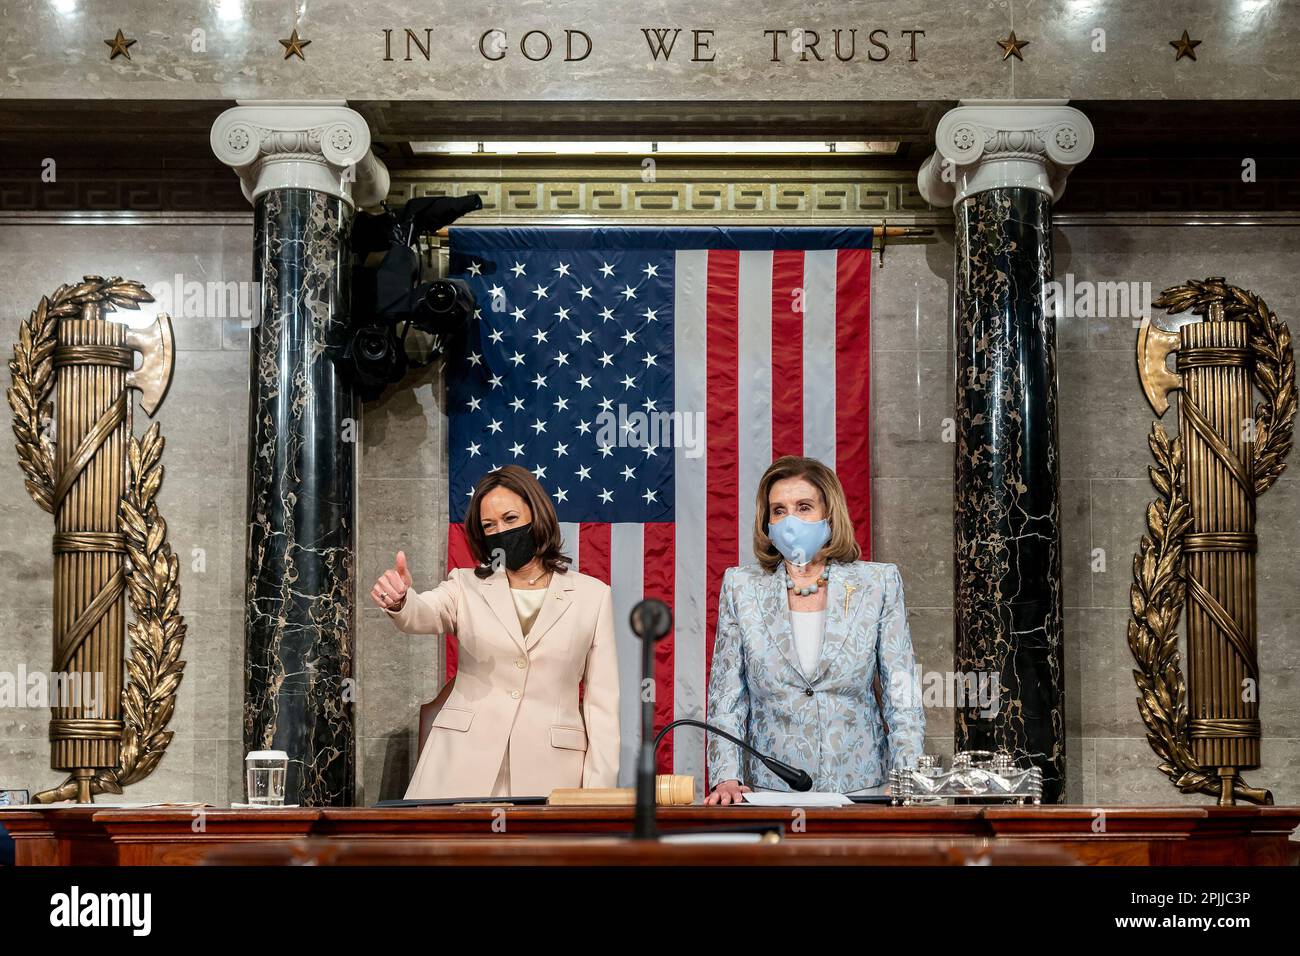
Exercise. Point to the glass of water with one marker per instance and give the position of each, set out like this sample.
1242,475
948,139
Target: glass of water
266,770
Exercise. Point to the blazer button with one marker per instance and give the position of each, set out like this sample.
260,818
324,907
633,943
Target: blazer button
808,692
514,694
521,663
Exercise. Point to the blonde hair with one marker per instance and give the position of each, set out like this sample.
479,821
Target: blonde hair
842,546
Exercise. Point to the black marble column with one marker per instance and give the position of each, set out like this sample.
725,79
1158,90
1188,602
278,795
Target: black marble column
1007,518
299,625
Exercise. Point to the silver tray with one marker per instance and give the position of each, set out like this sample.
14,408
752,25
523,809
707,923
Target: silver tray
978,776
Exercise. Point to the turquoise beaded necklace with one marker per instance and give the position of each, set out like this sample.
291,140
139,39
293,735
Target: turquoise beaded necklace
822,580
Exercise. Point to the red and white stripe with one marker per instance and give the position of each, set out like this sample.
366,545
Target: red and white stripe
771,380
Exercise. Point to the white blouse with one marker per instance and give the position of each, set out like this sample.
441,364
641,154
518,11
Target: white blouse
808,627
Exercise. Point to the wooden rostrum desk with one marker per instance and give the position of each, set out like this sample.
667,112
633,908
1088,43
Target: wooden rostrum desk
554,835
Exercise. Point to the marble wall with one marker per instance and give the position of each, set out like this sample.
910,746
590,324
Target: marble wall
402,485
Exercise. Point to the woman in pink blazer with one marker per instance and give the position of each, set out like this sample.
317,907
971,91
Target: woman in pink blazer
530,631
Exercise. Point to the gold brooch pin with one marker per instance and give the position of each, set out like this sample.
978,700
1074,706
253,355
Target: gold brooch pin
848,593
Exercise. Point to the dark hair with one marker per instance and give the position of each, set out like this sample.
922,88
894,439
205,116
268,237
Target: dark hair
546,526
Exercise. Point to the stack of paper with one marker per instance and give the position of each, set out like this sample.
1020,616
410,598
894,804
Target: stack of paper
777,798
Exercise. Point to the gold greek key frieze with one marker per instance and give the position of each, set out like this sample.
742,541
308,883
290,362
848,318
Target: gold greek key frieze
739,194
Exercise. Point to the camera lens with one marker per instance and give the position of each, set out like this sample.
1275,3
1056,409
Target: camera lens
441,297
372,345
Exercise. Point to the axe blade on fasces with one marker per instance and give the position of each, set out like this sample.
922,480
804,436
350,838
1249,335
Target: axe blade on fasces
1153,349
158,355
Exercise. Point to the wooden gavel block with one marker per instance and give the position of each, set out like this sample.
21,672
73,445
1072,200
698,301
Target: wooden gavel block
671,790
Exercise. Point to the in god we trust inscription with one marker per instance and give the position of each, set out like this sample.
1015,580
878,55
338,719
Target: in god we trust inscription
573,44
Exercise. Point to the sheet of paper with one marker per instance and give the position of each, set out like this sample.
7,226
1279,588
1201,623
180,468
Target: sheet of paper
711,838
98,805
774,798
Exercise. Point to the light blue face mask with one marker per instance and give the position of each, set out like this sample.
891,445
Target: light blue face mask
799,540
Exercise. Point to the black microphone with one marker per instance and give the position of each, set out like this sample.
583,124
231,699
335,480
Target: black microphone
796,778
651,618
651,621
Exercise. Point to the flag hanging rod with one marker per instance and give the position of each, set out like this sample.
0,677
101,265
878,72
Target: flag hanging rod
881,231
882,235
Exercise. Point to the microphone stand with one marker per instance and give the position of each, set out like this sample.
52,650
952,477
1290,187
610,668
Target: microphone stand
799,780
651,621
644,826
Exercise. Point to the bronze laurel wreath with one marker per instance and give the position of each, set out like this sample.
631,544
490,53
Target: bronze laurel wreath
1274,365
154,667
32,368
1156,597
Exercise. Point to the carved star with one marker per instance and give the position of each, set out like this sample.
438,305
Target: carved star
1185,46
120,45
1012,47
293,46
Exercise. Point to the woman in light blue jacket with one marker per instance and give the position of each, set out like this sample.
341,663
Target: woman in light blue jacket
801,636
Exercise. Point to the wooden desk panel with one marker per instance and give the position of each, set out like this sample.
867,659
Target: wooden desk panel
1137,835
833,822
621,851
67,837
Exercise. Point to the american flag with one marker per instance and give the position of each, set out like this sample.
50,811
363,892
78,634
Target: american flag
647,377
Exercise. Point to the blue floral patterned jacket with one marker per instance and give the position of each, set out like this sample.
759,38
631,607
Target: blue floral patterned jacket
827,723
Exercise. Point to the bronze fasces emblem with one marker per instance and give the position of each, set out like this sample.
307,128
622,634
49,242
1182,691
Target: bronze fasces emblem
1200,553
72,372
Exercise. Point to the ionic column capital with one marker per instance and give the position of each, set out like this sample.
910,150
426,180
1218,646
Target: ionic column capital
284,144
993,144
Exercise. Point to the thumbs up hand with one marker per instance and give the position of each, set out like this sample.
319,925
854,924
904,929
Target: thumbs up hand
390,590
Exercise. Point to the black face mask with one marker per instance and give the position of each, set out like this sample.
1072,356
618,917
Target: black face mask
515,545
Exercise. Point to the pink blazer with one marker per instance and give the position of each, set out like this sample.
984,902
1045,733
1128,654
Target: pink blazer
524,692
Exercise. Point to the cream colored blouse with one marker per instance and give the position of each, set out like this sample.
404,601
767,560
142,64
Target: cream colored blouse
528,601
